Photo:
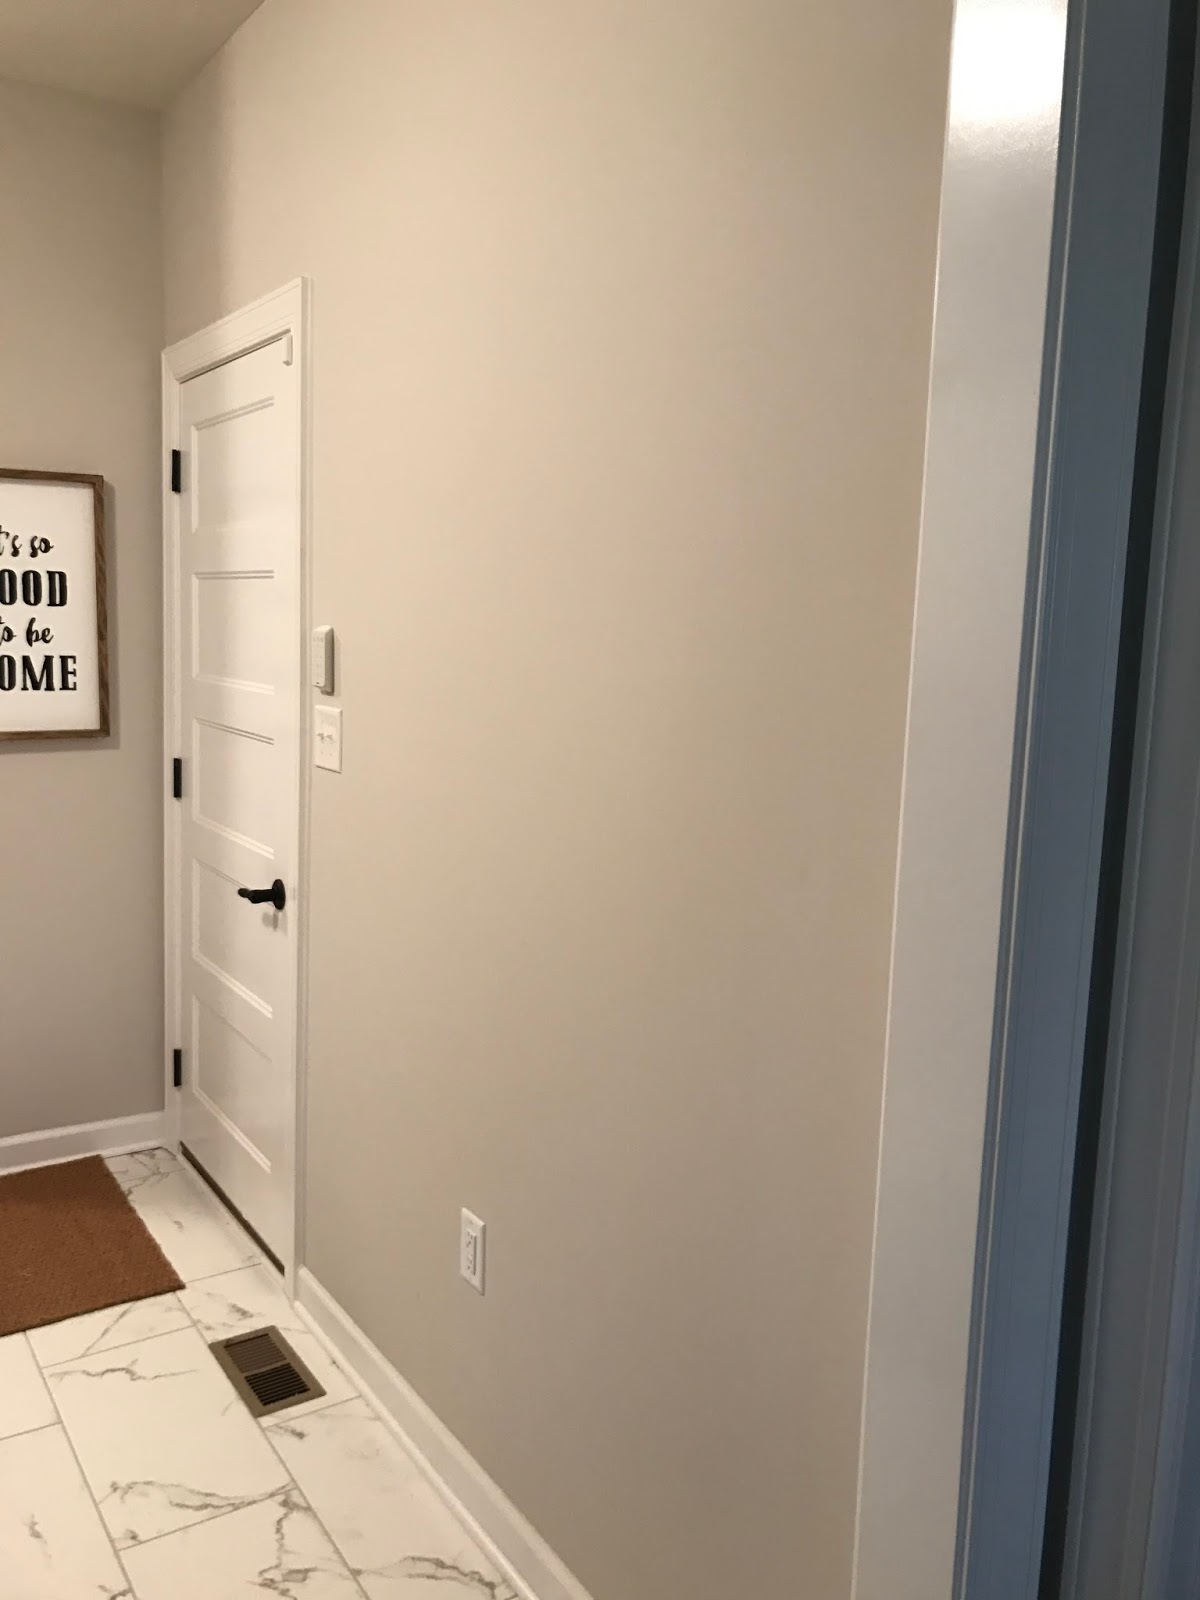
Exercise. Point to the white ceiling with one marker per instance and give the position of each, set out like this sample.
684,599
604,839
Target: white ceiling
138,51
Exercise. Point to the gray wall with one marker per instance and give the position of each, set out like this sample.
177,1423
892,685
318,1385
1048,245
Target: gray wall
80,333
622,321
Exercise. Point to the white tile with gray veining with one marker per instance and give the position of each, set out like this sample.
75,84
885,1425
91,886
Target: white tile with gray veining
138,1166
52,1542
396,1533
182,1494
107,1330
25,1403
162,1437
195,1234
253,1297
276,1547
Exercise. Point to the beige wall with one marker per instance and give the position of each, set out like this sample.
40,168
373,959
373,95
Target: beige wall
81,880
622,320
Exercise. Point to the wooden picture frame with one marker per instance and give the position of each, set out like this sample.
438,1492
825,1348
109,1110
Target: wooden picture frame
53,592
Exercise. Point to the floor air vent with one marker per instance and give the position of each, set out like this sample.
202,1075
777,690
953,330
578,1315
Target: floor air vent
265,1371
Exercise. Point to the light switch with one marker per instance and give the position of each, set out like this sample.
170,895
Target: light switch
327,737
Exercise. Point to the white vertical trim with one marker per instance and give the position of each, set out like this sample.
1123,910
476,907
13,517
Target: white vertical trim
492,1520
993,280
284,313
302,346
172,747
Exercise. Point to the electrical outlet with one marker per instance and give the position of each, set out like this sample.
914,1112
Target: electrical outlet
472,1248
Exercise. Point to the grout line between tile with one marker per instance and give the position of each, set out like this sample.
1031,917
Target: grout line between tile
85,1354
95,1355
309,1408
207,1277
217,1516
41,1377
291,1478
170,1533
104,1528
266,1433
317,1517
23,1433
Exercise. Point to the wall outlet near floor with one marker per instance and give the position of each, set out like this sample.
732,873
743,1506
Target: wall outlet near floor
472,1248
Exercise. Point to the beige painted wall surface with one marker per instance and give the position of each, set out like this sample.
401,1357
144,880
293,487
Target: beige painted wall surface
622,320
81,881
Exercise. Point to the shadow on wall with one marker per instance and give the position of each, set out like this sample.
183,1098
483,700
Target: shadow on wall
200,229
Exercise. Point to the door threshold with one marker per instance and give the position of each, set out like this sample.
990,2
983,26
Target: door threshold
232,1209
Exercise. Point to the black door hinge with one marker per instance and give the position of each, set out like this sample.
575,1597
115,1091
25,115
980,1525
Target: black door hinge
177,778
177,1068
176,471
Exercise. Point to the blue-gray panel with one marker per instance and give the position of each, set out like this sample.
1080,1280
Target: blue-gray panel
1106,219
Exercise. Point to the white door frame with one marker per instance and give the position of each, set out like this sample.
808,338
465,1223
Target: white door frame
283,314
1050,186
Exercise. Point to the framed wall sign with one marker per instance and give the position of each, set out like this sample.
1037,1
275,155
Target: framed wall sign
53,626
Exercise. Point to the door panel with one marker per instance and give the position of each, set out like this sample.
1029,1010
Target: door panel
232,455
230,644
232,774
240,672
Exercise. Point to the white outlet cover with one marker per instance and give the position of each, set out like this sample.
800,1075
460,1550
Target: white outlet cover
472,1250
327,738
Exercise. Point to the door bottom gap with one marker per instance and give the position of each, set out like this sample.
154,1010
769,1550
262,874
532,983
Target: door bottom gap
232,1209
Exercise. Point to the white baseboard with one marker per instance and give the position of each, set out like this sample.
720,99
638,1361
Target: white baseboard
491,1518
21,1150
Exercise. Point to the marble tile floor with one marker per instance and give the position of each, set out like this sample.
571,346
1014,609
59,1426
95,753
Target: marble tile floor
130,1470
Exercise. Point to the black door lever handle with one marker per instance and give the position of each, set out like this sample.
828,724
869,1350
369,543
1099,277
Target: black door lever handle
275,896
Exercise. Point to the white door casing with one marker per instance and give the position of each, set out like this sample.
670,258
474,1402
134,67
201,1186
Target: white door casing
236,713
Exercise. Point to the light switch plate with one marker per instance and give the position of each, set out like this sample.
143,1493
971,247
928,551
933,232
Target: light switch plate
327,737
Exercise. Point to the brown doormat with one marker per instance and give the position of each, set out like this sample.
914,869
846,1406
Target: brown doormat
70,1242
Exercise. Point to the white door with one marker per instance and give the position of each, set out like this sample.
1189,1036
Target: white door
238,677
